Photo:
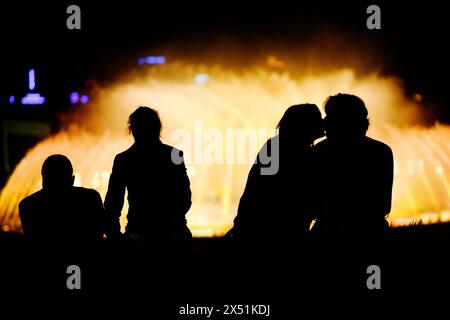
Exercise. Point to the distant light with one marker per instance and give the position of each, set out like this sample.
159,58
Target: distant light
151,60
33,99
201,78
74,97
439,170
11,99
84,99
31,79
141,61
445,216
155,60
417,97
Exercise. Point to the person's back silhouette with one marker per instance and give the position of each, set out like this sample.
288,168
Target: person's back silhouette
60,212
274,205
355,173
159,194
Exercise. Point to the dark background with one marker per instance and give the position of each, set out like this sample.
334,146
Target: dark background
411,44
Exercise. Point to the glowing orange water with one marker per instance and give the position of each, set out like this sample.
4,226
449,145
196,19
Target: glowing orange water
254,99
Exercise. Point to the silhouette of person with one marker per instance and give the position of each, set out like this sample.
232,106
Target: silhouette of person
274,205
355,174
154,174
60,212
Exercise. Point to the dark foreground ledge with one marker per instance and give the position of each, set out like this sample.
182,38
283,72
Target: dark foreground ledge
220,270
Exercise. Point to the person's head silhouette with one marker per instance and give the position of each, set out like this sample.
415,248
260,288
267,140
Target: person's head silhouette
145,125
346,117
301,123
57,172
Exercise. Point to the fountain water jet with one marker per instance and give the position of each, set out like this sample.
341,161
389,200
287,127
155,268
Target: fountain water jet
252,99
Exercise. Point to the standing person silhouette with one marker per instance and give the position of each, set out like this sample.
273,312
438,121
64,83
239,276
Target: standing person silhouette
159,194
274,205
355,174
59,212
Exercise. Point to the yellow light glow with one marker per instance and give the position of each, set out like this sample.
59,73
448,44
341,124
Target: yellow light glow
251,100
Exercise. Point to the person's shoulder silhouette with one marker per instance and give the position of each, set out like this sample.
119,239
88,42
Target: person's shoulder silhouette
155,177
274,205
60,212
354,188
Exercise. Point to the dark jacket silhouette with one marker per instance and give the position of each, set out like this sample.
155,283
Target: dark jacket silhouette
355,173
274,206
60,212
154,175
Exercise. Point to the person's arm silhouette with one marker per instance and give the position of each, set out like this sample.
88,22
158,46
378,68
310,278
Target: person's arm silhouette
100,223
114,199
386,178
181,190
247,211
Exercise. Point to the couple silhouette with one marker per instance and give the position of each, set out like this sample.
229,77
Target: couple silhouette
343,184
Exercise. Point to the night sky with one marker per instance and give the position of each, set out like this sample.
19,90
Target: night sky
411,43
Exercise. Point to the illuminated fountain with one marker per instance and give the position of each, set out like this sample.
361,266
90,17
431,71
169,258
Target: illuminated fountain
208,103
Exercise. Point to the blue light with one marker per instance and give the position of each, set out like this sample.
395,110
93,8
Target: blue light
11,99
33,99
141,61
84,99
31,79
201,78
74,97
152,60
30,98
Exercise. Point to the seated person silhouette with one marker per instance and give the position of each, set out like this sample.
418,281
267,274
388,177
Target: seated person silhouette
60,212
154,174
274,205
354,187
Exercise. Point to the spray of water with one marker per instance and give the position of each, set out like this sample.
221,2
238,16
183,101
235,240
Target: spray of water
215,107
